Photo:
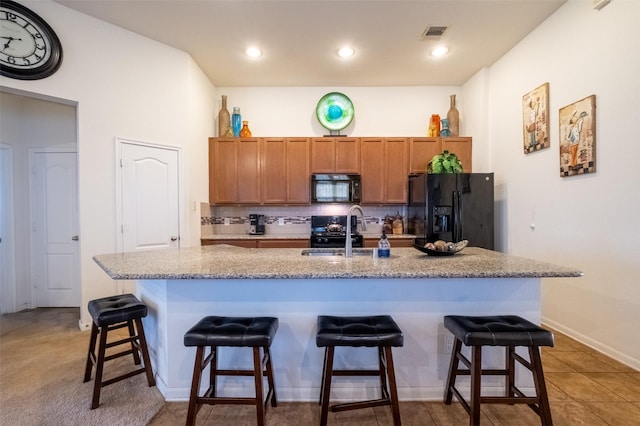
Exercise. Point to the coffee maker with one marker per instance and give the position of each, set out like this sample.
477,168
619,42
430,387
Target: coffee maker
256,224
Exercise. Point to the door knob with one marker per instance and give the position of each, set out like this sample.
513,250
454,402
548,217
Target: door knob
75,238
174,238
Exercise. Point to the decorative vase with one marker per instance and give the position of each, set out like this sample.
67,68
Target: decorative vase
434,126
245,132
236,121
454,118
224,119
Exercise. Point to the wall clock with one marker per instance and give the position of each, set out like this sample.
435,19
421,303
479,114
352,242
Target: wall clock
29,48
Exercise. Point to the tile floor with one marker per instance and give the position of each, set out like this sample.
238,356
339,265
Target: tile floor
585,388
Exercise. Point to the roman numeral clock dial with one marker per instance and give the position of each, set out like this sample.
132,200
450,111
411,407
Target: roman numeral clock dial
29,48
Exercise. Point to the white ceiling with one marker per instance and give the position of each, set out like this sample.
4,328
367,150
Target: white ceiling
299,38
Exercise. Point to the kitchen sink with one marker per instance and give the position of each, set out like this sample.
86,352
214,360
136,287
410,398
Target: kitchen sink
336,252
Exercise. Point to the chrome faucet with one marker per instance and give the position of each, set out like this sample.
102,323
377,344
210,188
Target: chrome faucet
348,252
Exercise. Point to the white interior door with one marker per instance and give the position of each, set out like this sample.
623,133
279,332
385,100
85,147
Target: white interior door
7,247
54,218
150,198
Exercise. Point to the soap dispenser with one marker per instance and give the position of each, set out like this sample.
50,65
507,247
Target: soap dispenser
384,248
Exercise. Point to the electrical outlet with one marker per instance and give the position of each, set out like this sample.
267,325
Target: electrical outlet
281,221
226,221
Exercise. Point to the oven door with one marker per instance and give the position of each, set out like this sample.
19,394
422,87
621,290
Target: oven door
335,241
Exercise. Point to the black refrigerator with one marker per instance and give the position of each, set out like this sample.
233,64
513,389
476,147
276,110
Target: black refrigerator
452,207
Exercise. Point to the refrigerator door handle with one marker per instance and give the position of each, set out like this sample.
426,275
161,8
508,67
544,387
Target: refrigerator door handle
457,216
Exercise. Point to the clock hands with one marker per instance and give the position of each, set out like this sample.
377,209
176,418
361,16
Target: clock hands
9,40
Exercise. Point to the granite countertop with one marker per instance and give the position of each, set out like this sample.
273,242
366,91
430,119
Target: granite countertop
290,236
228,262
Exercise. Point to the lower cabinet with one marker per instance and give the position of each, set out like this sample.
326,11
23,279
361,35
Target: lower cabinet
259,243
394,242
283,243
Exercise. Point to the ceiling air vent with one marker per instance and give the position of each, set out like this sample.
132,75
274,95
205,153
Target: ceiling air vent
433,32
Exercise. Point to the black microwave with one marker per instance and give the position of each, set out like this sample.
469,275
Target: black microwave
335,188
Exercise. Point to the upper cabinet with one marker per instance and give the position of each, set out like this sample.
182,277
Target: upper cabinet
277,170
461,146
422,150
335,155
234,170
384,168
259,171
285,171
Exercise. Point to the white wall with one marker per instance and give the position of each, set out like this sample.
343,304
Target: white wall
379,111
124,86
590,221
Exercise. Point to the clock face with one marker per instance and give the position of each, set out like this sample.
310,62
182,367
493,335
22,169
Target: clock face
29,49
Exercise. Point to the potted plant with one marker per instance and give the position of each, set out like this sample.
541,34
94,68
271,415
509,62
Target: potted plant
447,162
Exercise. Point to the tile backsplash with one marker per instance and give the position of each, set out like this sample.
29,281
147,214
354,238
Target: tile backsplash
284,220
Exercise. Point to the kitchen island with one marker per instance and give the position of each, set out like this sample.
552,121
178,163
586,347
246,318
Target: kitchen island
180,286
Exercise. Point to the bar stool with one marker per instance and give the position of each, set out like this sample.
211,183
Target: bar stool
369,331
109,314
216,331
508,331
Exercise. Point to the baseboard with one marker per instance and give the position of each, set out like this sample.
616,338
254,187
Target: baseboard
84,325
594,344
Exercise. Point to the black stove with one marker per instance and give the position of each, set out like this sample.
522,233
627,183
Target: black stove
331,232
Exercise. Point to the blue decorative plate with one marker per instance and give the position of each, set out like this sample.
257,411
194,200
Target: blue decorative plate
335,111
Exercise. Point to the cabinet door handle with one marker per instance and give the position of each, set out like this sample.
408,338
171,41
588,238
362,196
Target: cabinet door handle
174,238
75,238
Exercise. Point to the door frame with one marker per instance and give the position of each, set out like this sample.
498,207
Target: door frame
119,142
8,282
32,246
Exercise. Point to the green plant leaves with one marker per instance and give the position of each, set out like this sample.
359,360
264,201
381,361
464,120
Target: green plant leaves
446,162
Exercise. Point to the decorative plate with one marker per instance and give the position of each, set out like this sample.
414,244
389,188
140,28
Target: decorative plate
335,111
458,247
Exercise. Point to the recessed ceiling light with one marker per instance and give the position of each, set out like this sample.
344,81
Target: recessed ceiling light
439,51
346,52
253,52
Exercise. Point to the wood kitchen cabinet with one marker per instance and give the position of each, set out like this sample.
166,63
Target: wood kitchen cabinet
395,242
234,170
259,171
461,146
335,155
422,151
384,169
259,243
285,171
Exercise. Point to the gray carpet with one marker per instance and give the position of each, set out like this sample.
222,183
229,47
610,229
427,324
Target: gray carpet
42,359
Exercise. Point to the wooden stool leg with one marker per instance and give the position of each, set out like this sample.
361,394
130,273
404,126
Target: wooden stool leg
195,386
97,384
91,355
326,384
453,371
476,377
395,404
132,333
270,378
142,340
213,371
257,373
541,388
510,378
382,363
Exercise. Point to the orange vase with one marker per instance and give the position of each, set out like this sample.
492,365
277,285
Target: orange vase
245,132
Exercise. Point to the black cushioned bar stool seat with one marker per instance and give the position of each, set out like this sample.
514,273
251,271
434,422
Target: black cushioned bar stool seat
216,331
379,331
509,331
109,314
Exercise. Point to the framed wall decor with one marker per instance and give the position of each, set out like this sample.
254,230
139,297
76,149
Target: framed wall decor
535,119
578,137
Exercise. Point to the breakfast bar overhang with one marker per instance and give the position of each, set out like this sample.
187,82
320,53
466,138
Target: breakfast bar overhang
180,286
